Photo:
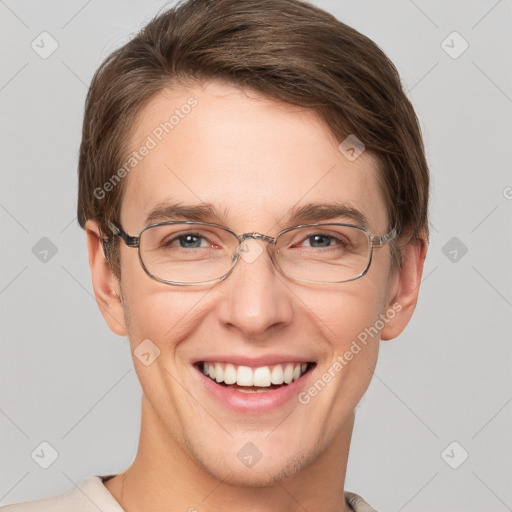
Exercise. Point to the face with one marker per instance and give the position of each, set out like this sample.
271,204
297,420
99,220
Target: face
254,160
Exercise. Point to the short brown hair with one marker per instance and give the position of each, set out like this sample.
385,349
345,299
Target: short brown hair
287,50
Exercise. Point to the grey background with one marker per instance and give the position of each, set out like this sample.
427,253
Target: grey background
67,380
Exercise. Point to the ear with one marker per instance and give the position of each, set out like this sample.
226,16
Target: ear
106,286
405,288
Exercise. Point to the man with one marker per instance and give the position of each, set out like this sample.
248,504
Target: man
254,191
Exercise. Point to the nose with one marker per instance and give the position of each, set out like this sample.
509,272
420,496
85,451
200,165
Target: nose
257,299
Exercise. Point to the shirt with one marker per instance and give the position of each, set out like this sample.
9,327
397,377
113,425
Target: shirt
91,495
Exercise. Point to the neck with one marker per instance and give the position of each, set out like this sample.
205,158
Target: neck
164,477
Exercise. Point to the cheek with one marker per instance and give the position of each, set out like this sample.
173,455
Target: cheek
160,319
151,308
343,315
163,314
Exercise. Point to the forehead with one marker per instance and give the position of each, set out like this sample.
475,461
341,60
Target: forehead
250,158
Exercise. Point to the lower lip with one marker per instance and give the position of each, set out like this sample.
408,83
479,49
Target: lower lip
239,401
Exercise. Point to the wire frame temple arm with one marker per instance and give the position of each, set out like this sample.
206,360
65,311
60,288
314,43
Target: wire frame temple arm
379,241
132,241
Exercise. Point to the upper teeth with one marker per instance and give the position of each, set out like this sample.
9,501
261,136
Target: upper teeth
262,376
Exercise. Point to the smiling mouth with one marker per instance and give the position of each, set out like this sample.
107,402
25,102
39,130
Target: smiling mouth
254,380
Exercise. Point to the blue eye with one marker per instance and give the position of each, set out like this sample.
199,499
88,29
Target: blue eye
185,241
324,241
189,241
321,240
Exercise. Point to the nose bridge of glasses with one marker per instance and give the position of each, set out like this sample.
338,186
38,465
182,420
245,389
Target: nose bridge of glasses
250,252
257,236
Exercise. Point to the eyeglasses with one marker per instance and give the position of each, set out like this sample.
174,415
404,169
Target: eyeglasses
187,253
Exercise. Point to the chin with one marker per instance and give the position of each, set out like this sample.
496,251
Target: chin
226,466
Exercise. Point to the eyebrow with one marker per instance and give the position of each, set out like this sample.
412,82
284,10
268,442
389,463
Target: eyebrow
308,213
316,212
175,211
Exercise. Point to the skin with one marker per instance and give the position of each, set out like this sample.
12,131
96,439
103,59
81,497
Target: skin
270,157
